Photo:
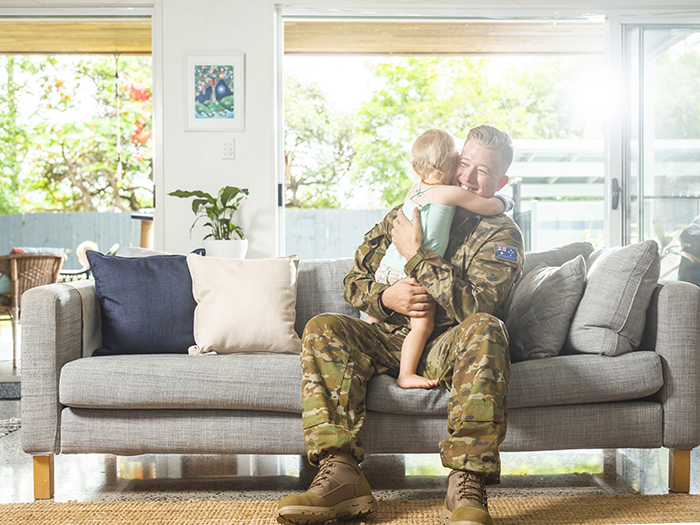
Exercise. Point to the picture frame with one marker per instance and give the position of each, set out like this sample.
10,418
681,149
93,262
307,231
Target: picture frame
215,92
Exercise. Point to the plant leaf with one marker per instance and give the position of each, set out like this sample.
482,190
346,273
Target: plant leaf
659,230
197,204
229,194
183,194
238,231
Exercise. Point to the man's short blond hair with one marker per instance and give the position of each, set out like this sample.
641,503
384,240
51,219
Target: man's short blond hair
495,139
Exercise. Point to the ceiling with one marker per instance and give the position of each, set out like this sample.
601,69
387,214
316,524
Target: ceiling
75,36
396,37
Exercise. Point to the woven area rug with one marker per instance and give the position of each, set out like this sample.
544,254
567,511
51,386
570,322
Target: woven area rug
9,425
604,510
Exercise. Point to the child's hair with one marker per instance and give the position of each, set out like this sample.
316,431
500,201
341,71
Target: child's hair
434,155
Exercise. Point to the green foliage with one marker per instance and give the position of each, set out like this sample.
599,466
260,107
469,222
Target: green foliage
456,94
14,138
530,98
677,85
82,142
318,143
217,211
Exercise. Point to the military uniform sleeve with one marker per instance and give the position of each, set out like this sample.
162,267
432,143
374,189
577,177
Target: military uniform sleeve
478,274
361,290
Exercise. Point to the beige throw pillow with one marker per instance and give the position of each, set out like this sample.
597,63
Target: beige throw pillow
244,306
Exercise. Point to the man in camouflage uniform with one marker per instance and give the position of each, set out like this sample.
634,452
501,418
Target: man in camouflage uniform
467,352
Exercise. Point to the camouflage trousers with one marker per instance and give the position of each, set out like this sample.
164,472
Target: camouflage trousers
340,354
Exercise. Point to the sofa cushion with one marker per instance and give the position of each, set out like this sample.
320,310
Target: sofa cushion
542,309
561,380
224,382
146,303
320,290
28,249
553,257
244,306
245,382
611,315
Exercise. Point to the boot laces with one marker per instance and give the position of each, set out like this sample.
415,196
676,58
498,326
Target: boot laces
471,486
325,468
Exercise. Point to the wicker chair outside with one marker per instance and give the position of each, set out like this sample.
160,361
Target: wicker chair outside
25,271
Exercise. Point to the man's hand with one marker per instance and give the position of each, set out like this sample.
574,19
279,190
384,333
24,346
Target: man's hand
407,297
407,237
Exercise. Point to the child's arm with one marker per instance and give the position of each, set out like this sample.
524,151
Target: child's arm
456,196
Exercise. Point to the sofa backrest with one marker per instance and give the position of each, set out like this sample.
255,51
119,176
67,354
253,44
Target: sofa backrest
320,282
320,289
556,256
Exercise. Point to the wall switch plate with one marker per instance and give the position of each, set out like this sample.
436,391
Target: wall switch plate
228,149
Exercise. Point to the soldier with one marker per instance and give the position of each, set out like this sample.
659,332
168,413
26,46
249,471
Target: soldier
467,352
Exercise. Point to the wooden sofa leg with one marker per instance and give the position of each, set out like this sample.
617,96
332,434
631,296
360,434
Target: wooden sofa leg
43,477
679,470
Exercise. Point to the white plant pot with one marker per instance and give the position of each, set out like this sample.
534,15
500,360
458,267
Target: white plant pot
232,249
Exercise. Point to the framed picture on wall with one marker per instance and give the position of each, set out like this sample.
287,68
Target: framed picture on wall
215,93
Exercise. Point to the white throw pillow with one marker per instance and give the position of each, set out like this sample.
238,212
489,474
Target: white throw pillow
611,316
244,306
542,309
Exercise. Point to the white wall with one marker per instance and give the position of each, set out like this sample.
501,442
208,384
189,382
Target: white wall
192,159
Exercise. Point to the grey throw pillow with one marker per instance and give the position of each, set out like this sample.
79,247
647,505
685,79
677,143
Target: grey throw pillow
542,309
611,315
553,257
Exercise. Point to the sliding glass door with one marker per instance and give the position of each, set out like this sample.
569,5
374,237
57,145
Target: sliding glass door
661,136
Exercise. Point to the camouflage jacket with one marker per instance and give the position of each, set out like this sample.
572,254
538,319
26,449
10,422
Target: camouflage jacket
484,258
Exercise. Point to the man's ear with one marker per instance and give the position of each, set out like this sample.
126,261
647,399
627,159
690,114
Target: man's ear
503,182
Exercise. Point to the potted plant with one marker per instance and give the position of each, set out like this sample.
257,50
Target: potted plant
218,211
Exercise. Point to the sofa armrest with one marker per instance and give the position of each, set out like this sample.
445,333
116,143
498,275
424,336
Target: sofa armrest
52,335
673,331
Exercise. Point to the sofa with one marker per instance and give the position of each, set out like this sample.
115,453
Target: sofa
74,403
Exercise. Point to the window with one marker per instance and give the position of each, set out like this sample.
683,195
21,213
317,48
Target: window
661,184
357,93
75,130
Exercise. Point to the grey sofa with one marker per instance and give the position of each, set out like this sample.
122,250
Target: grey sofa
179,404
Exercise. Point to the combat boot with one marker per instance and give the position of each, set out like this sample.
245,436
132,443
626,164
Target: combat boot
339,491
465,503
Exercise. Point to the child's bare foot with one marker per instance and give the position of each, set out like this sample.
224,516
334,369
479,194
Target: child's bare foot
416,381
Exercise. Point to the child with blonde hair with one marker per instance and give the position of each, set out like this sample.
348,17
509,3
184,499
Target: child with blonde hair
434,159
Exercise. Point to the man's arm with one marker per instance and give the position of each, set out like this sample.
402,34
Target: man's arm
478,273
361,290
406,297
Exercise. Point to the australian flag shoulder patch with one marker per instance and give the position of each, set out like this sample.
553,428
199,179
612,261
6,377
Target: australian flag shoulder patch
505,252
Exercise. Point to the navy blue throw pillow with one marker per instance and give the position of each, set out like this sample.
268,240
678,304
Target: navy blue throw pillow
146,304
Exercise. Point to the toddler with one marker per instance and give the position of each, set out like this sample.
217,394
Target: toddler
434,159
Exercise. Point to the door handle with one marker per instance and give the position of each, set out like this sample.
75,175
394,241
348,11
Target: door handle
616,190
